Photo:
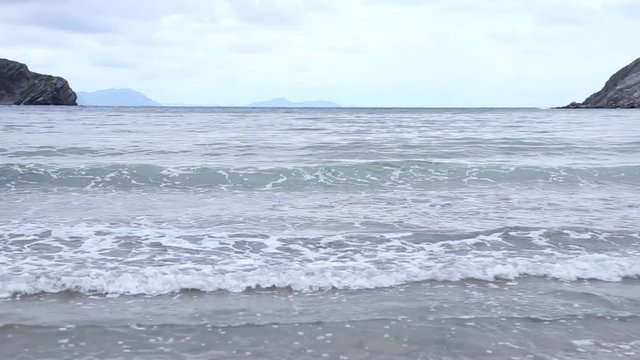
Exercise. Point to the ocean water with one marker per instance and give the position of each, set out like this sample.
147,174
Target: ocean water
238,233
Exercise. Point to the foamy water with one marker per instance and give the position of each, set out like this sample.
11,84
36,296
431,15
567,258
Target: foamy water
445,209
152,259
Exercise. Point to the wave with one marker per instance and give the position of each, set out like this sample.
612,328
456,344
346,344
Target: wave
156,281
139,260
390,174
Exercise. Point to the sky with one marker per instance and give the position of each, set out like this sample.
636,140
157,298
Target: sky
429,53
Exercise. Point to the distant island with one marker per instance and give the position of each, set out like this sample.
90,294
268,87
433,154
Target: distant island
19,86
622,90
115,97
283,102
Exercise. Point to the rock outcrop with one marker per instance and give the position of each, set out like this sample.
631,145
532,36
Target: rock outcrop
621,91
19,86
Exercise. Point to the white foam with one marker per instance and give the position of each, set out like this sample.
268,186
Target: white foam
157,259
317,276
582,343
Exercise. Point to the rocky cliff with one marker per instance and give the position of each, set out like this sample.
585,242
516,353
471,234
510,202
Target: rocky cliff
19,86
621,91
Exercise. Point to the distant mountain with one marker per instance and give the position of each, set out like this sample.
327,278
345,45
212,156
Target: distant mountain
115,97
282,102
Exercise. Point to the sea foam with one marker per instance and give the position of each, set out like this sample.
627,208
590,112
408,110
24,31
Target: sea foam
95,258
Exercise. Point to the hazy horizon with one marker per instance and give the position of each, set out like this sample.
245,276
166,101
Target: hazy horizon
376,53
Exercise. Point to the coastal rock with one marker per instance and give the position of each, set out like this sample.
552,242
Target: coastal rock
622,90
19,86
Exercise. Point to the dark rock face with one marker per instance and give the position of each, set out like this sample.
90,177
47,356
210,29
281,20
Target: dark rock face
621,91
19,86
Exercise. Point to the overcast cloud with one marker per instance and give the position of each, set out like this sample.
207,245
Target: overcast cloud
353,52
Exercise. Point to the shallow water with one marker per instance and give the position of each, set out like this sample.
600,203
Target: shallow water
532,317
319,233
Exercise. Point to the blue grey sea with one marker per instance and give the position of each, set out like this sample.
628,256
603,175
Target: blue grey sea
245,233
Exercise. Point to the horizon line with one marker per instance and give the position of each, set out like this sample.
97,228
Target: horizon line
327,107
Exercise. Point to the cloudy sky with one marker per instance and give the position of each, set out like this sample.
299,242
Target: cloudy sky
353,52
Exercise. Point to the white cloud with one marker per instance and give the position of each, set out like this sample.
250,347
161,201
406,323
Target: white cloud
354,52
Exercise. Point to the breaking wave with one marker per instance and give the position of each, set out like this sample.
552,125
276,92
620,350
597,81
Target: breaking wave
93,258
390,174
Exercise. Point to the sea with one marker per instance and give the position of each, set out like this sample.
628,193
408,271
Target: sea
347,233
